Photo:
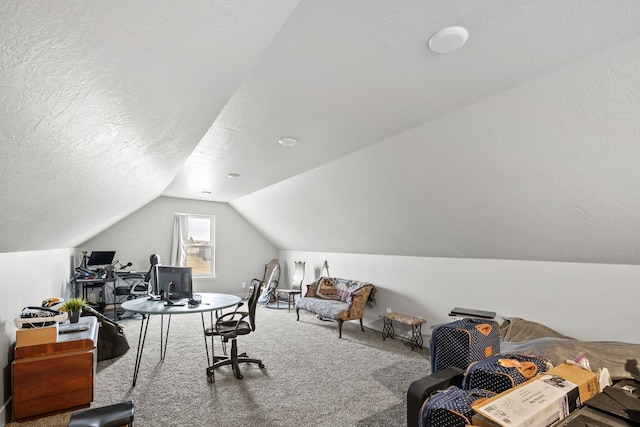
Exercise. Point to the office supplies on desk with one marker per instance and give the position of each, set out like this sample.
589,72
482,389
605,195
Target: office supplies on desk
72,327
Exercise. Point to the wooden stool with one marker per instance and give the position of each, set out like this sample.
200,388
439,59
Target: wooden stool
416,327
117,415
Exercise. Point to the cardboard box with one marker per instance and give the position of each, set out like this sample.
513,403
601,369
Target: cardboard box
35,336
540,401
587,381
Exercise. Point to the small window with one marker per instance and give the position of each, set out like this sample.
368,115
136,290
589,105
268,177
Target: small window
201,245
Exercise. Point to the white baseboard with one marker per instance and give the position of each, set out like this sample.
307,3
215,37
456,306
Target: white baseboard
4,413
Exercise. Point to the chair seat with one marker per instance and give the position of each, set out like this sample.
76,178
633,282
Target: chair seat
122,290
288,291
116,415
229,329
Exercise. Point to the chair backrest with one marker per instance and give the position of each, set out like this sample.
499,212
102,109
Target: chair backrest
272,274
324,271
253,302
154,259
298,275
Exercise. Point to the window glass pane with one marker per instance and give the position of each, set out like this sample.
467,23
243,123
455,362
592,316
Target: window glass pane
199,246
199,230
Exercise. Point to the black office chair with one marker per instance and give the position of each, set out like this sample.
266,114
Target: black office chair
134,285
117,415
231,325
154,259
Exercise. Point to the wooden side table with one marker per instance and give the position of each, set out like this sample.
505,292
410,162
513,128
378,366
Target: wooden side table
413,321
55,377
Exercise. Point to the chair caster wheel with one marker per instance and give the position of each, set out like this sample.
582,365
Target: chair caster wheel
239,376
261,365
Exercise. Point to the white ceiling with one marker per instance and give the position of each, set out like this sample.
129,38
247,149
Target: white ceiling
521,145
340,76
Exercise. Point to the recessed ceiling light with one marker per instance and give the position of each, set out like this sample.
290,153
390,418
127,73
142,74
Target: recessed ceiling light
232,175
206,192
448,39
288,141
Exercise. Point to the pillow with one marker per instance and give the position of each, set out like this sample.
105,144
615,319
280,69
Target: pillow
327,289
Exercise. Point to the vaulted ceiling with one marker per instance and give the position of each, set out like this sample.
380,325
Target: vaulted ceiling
523,144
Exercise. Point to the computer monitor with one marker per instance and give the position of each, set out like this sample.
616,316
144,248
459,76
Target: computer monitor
172,283
101,257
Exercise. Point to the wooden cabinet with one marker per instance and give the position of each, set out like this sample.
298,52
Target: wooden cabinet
55,377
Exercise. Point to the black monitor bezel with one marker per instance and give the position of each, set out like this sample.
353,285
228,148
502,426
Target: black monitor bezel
159,283
101,258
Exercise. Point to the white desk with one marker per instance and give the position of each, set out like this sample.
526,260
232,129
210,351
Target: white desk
147,307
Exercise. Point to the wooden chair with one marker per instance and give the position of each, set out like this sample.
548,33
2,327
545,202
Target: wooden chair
296,285
269,283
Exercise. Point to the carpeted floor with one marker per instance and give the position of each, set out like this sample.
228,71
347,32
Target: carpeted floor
310,377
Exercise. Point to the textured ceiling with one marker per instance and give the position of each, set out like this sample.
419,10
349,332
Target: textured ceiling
521,145
103,101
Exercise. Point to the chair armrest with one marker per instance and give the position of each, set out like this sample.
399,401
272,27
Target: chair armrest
311,289
233,319
358,301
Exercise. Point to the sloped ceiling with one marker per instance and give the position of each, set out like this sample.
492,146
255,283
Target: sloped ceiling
102,102
521,145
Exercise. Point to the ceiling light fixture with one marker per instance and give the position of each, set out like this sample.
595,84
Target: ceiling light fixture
288,141
448,39
206,192
233,175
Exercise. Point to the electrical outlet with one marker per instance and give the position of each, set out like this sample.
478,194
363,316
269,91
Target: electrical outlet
389,310
244,285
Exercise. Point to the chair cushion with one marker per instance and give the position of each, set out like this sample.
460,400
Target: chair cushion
229,329
122,290
329,309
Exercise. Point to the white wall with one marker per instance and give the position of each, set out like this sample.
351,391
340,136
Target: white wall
592,302
28,278
241,251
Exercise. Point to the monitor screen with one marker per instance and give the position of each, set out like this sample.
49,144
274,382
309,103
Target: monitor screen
172,283
101,257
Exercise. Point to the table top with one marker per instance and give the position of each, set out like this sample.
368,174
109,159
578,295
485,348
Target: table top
210,302
405,318
88,322
95,280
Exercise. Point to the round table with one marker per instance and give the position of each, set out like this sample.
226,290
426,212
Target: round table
149,306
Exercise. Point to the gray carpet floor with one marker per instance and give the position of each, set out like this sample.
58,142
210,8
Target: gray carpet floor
311,377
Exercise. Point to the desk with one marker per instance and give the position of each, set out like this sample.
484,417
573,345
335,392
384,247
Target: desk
55,377
147,307
94,283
